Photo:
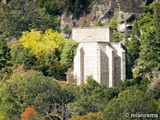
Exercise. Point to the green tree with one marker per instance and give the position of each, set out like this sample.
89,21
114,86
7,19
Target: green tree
133,49
52,66
53,7
5,59
146,20
23,15
91,97
154,89
21,55
67,95
149,56
68,53
53,51
89,116
134,44
157,20
113,23
40,92
139,83
78,7
130,101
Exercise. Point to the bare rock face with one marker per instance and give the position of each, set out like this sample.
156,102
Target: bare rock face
66,24
104,10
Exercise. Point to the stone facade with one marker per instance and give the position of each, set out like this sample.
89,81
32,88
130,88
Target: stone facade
98,56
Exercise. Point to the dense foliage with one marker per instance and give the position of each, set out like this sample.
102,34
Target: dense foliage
48,97
99,97
40,43
134,43
57,7
89,116
113,24
117,108
5,59
43,93
22,15
148,57
53,7
32,67
23,56
54,52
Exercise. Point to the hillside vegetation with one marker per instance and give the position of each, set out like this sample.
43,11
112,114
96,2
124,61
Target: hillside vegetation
35,57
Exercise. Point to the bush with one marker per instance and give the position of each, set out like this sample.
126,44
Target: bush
97,23
130,101
78,7
23,15
54,53
40,92
91,97
68,53
40,43
5,59
117,36
89,116
113,23
21,55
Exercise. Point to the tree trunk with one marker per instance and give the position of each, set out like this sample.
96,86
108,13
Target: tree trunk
63,112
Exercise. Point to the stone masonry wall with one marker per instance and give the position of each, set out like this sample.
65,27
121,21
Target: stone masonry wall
104,64
86,65
91,34
95,56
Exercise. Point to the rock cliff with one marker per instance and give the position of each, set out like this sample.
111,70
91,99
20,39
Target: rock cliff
104,10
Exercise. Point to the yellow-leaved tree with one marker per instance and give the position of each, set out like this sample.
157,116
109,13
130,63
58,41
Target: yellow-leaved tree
54,52
41,43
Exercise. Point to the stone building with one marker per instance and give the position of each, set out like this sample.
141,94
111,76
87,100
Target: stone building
98,56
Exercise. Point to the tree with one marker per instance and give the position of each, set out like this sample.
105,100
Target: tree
53,7
67,96
149,56
5,59
139,83
157,30
113,23
4,54
53,51
48,97
42,43
130,101
21,55
154,89
89,116
40,92
68,53
134,44
52,66
78,7
91,97
29,113
157,20
23,15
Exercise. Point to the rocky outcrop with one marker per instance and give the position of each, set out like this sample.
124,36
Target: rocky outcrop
104,10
